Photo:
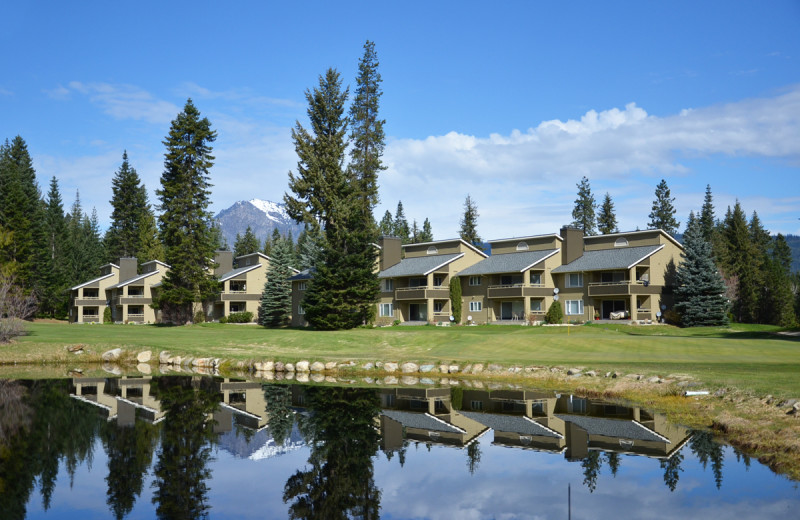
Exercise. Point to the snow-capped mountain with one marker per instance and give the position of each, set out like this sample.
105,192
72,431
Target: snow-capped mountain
261,445
261,215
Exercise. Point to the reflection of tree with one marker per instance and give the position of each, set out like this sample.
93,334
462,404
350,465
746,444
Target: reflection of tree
130,451
612,457
742,457
708,450
57,429
591,470
340,481
279,412
672,468
186,437
473,456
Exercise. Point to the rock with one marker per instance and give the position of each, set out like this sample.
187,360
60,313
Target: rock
477,384
331,365
788,402
477,368
144,356
175,360
719,393
444,369
369,380
203,362
426,368
427,381
289,376
409,380
289,367
573,371
302,377
368,366
390,367
379,364
608,374
390,380
113,369
279,366
768,399
268,366
75,348
317,366
654,379
330,379
144,368
515,370
633,376
467,369
453,369
494,368
591,373
78,352
409,368
77,371
347,364
112,355
302,366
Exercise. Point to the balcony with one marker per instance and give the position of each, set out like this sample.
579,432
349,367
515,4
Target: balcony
519,290
438,292
135,318
624,288
89,301
133,300
238,296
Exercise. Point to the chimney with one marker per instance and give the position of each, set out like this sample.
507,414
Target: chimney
390,251
572,246
225,261
128,268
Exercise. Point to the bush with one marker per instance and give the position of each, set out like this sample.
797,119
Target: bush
554,313
240,317
199,317
107,315
223,319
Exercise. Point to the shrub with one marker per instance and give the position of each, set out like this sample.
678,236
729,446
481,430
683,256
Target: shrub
554,313
455,298
107,315
240,317
223,319
199,317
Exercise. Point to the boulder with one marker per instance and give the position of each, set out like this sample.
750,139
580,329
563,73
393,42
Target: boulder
302,377
302,366
317,366
493,367
368,366
591,373
477,368
331,365
453,369
317,377
426,368
144,356
444,369
279,366
144,368
390,367
163,357
409,380
573,371
426,381
75,348
289,367
111,368
409,368
466,369
390,380
112,355
654,379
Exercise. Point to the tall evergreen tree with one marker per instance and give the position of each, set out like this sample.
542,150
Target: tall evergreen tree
469,222
276,299
84,249
427,234
150,247
246,244
662,215
607,219
455,299
778,300
583,214
401,228
386,225
185,219
707,220
54,298
700,293
740,260
129,208
309,250
415,232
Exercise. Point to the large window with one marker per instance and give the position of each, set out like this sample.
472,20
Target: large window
438,306
301,286
438,280
475,306
536,278
388,285
575,280
238,307
474,280
536,305
573,307
386,310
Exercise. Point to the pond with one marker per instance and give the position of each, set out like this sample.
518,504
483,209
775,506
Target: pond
195,447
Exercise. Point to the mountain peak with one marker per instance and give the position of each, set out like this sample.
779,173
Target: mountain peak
263,216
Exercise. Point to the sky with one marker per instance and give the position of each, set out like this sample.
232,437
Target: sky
509,102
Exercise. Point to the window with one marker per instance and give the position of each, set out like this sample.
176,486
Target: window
576,405
438,306
438,280
536,278
621,242
300,310
432,250
574,280
476,405
536,305
522,246
573,307
388,285
474,280
475,306
387,310
301,286
238,307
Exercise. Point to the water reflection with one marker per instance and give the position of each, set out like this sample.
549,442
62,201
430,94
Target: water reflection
159,436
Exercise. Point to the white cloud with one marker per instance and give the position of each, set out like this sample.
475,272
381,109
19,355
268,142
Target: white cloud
126,102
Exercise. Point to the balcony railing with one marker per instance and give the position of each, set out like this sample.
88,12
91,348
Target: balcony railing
622,288
518,290
422,292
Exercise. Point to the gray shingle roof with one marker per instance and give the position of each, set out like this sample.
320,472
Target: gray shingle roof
84,284
417,266
507,263
512,423
237,272
134,279
305,274
619,258
622,428
423,421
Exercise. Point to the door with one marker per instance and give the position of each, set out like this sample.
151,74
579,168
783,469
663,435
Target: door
418,312
610,306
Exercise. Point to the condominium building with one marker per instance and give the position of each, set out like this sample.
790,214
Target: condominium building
131,297
87,301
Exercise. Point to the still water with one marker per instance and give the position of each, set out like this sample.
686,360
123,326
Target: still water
203,447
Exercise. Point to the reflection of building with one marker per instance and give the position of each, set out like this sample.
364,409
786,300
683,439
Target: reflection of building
244,402
124,399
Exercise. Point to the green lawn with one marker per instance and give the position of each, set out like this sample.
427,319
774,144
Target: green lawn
748,357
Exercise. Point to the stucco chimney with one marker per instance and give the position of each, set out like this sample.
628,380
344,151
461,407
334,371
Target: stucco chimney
390,251
224,259
572,246
128,268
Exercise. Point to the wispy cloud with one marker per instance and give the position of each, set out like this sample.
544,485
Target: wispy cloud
4,92
124,101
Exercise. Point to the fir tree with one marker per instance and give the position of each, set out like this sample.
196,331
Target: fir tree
246,244
706,219
309,251
583,214
662,215
276,300
401,229
150,247
415,232
427,234
54,299
129,208
185,229
700,292
607,219
469,222
84,250
386,225
739,261
778,300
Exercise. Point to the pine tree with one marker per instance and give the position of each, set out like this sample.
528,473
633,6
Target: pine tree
309,251
607,219
246,244
54,299
427,234
739,261
583,214
129,209
84,251
150,247
185,219
778,300
386,225
401,229
700,292
469,222
276,299
415,232
662,215
706,219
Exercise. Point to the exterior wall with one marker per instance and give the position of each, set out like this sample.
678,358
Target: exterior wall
538,243
242,293
131,303
298,320
80,303
652,237
445,247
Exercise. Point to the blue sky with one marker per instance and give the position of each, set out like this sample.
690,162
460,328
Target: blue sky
511,102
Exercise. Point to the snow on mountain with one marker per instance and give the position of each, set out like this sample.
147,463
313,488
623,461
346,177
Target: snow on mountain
263,216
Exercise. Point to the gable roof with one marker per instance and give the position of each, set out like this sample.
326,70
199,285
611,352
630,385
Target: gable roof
84,284
423,421
440,242
419,265
134,279
604,259
639,232
512,423
236,272
623,428
522,239
508,263
305,274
